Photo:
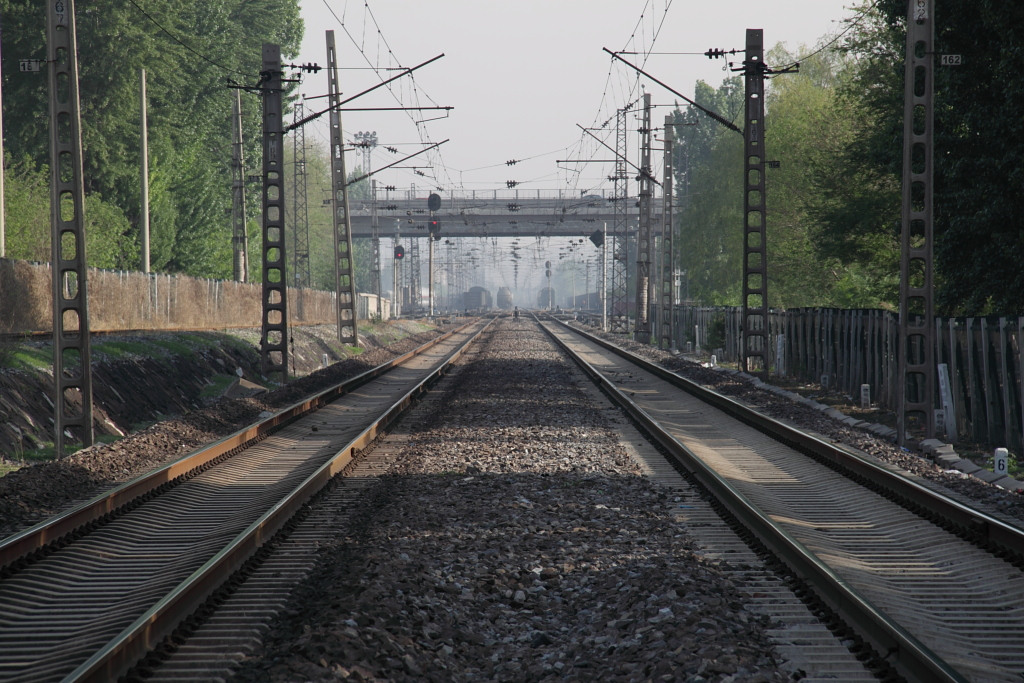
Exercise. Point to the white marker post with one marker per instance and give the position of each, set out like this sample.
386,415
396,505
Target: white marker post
1000,462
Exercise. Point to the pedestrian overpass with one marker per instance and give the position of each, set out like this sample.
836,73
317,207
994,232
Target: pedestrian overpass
496,213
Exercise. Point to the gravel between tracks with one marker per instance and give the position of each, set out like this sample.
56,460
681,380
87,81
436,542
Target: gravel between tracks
515,540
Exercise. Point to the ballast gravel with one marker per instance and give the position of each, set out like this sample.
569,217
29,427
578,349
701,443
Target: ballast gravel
515,540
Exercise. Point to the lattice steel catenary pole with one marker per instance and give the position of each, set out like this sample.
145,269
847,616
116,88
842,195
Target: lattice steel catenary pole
274,338
916,381
72,358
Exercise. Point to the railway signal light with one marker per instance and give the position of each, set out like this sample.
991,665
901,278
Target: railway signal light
399,252
434,227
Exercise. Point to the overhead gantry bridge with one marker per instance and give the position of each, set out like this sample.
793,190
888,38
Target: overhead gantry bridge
496,213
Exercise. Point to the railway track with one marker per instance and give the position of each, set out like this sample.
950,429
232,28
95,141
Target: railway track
934,588
87,594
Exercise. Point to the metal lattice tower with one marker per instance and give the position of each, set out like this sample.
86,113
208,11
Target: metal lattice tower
274,338
645,236
344,266
404,297
72,366
375,221
916,384
413,257
239,235
754,347
368,140
396,285
300,207
618,310
666,298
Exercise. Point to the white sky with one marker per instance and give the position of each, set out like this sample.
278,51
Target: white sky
521,74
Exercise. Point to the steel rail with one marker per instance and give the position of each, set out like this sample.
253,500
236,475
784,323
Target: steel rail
105,505
978,527
135,641
896,646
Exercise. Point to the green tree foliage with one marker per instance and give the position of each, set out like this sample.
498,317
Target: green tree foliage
315,173
856,177
979,140
27,203
190,51
832,202
709,163
27,199
820,253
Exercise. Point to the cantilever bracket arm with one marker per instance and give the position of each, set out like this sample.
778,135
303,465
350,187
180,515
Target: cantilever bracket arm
318,114
637,168
367,175
717,117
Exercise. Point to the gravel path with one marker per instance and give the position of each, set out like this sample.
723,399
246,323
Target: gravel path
515,540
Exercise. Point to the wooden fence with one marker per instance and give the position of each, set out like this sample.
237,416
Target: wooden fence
846,349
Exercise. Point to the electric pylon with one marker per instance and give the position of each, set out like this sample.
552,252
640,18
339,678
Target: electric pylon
72,365
666,293
916,383
300,207
754,346
344,266
274,337
645,237
618,314
239,235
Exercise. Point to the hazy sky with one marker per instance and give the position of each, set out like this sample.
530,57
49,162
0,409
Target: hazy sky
522,74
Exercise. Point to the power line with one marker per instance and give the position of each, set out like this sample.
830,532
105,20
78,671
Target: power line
628,93
179,41
361,48
832,42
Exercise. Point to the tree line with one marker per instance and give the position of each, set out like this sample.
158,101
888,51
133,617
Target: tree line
833,202
193,53
835,128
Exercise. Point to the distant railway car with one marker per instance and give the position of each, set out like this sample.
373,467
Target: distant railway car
477,299
504,298
546,298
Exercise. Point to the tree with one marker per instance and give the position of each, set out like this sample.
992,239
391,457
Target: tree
189,50
979,140
819,252
708,159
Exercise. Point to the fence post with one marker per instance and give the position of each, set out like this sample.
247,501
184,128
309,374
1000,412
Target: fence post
1020,374
1010,436
976,426
986,381
956,383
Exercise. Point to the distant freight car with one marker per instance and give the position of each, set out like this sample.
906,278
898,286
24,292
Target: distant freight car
546,299
477,299
504,298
